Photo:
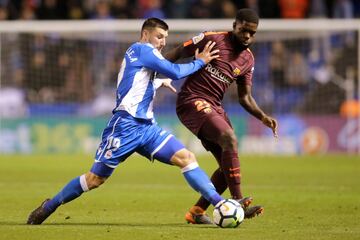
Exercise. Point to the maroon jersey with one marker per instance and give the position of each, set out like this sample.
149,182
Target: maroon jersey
211,82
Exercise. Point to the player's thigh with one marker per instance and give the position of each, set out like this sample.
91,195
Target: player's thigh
160,145
120,139
214,128
192,115
214,148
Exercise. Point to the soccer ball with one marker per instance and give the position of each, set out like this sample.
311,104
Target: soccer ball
228,213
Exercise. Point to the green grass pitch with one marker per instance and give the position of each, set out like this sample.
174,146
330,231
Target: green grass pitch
305,197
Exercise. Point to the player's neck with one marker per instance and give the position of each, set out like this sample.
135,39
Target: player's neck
237,47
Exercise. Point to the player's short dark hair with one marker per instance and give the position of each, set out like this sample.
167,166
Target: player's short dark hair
152,23
248,15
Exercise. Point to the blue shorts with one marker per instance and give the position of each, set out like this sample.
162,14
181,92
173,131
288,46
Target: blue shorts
125,135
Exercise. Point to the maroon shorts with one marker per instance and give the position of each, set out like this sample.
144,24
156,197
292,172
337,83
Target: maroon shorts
195,113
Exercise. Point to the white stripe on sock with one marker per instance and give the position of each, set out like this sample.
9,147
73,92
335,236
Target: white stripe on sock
190,167
83,183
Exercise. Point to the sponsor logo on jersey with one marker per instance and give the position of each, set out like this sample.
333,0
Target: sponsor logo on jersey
158,54
198,38
236,72
216,73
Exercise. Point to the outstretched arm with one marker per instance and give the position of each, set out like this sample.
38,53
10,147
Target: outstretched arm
174,54
188,48
164,82
248,102
152,58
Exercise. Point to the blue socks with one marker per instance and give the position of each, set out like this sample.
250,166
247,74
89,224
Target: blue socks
200,182
193,174
71,191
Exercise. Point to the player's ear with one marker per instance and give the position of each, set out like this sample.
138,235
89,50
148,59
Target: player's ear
145,35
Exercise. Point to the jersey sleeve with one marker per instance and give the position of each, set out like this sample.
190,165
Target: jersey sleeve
152,58
192,44
247,77
200,41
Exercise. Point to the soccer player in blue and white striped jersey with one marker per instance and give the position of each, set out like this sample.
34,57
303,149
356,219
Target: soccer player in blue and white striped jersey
132,127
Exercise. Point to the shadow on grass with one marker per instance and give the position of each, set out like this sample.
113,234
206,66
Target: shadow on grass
63,224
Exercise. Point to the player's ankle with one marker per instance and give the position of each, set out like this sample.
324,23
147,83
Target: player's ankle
197,210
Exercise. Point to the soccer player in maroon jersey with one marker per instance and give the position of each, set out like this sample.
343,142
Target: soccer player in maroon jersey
199,105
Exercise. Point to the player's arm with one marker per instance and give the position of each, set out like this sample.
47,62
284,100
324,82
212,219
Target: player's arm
152,58
247,101
175,54
187,49
164,82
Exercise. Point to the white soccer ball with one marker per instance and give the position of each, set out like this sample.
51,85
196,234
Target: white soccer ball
228,213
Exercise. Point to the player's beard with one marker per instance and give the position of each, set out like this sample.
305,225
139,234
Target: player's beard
244,44
239,43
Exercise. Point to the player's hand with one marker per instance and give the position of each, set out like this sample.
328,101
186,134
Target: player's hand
207,53
271,123
167,83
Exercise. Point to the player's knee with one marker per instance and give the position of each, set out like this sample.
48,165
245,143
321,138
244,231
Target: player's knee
183,158
228,140
191,158
94,181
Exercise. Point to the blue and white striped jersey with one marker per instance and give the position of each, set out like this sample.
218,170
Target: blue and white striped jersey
136,87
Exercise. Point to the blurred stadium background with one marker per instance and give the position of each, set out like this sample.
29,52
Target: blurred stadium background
58,68
58,75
